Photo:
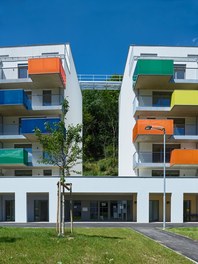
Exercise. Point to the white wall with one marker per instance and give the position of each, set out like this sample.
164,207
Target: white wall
74,96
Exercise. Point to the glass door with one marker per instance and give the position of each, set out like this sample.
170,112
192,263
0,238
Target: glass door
187,210
40,210
9,210
153,210
103,207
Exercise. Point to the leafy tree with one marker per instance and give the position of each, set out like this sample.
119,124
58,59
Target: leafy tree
62,145
63,148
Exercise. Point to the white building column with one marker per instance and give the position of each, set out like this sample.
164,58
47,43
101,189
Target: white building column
52,205
177,207
143,207
20,206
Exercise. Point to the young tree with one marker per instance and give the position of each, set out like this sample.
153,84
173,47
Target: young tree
62,146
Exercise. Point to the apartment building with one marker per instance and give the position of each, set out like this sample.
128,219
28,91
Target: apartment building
34,80
160,90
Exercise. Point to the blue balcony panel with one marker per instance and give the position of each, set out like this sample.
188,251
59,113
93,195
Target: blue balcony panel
28,125
15,98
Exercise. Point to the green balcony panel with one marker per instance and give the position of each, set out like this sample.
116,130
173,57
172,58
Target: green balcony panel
153,67
13,157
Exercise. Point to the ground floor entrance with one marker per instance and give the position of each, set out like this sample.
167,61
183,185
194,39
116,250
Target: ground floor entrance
102,208
190,207
37,207
156,207
7,207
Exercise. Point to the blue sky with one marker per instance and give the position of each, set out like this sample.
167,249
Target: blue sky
99,31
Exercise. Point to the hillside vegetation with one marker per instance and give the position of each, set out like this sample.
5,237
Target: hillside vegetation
100,132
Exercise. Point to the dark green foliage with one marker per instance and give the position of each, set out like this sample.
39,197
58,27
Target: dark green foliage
100,132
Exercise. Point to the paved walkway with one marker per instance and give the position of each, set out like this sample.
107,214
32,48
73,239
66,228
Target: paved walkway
183,245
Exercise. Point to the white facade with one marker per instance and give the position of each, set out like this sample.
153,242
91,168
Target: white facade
137,193
137,158
33,98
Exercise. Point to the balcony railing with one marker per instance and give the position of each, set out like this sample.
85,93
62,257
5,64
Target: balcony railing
54,100
14,97
152,157
16,157
28,125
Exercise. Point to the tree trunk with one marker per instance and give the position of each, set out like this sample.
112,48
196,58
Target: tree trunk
71,210
63,211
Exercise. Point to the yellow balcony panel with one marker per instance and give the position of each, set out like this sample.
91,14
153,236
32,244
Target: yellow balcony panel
47,72
184,102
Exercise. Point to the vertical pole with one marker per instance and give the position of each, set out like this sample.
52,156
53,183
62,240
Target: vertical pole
57,213
164,181
59,198
71,209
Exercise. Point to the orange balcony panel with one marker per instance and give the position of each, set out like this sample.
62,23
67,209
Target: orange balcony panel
139,128
47,71
184,157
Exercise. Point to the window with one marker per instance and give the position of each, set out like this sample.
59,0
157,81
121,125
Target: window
23,172
49,53
161,99
29,94
22,71
47,97
179,126
46,155
158,152
47,172
169,173
179,71
148,54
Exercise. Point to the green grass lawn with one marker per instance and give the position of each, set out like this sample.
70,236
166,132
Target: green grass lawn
191,232
86,246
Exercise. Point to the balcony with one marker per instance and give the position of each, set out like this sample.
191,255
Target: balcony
28,125
13,157
14,101
145,105
47,72
184,103
150,160
184,157
153,74
140,134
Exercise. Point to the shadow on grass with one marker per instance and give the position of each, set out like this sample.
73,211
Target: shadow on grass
98,236
9,239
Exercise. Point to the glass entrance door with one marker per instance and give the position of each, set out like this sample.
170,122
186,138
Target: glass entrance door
9,210
187,210
40,210
153,210
118,210
103,207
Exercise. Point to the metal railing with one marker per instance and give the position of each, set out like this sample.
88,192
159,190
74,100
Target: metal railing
151,157
100,77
